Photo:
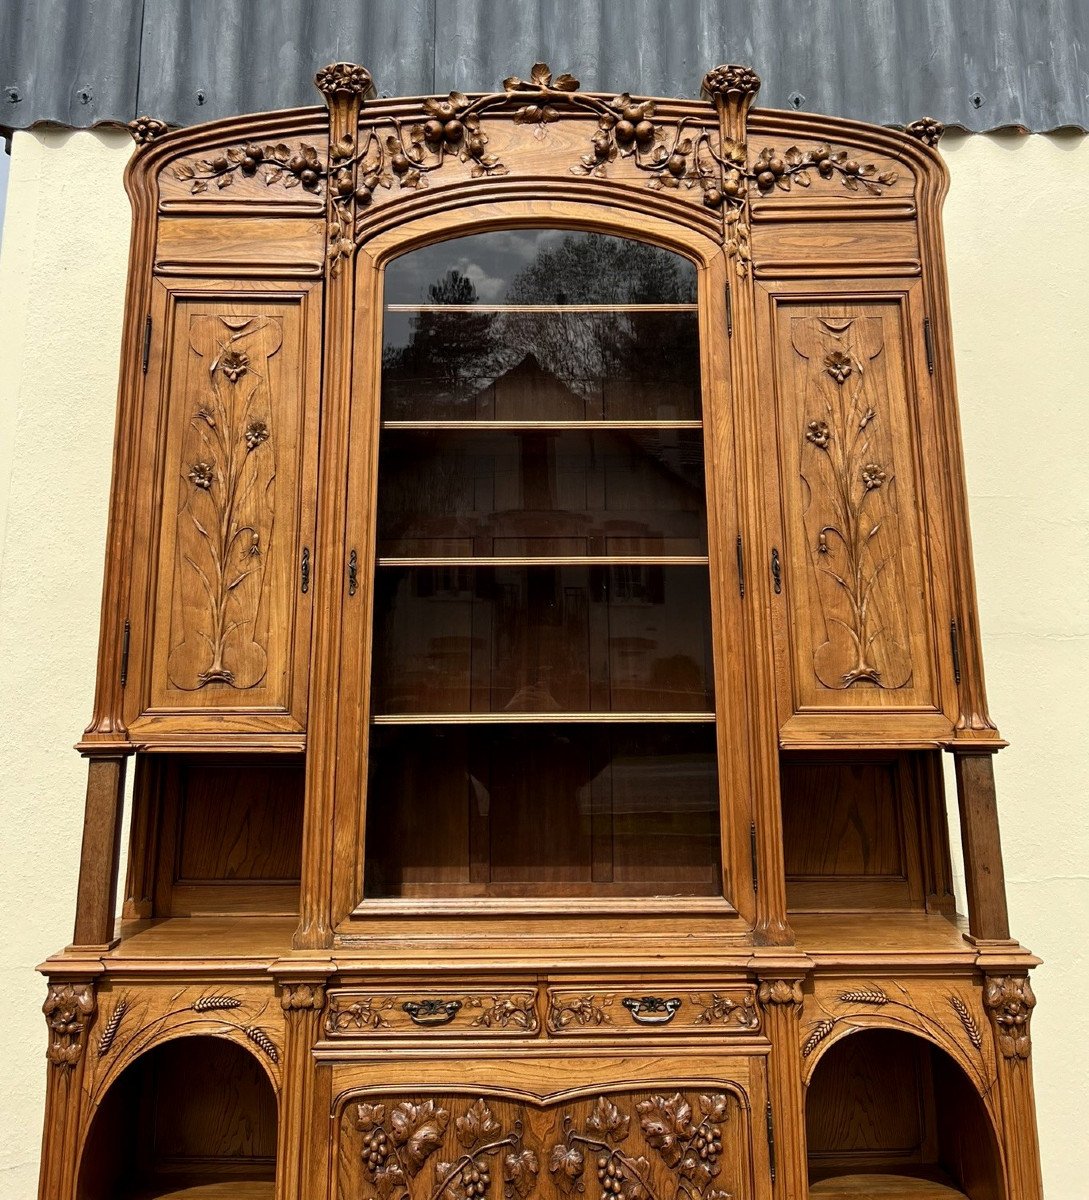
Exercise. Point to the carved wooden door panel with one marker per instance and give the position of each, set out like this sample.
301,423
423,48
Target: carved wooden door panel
863,577
225,630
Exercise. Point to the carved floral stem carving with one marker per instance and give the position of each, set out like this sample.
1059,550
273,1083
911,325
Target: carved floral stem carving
840,439
225,475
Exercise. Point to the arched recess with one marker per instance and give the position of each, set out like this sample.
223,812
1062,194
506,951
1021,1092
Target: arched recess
191,1113
621,214
889,1112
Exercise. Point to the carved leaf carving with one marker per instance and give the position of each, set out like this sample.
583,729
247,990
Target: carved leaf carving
476,1125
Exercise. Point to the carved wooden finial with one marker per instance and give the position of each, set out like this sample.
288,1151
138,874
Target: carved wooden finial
731,89
345,79
146,129
928,130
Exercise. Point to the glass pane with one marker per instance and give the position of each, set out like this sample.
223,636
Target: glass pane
542,639
541,493
537,366
543,810
540,266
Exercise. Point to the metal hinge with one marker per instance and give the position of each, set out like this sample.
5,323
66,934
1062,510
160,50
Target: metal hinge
954,646
304,571
771,1140
147,343
752,852
928,338
125,638
776,570
729,311
741,566
353,573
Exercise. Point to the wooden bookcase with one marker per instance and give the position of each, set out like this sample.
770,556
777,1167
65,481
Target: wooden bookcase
539,597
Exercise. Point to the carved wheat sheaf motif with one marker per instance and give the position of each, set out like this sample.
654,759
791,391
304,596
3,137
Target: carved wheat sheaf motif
847,468
225,517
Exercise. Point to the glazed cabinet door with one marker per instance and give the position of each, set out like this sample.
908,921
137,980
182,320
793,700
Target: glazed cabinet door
222,606
862,605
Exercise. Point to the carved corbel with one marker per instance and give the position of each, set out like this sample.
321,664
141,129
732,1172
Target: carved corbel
69,1008
300,995
146,129
1009,1002
927,130
780,992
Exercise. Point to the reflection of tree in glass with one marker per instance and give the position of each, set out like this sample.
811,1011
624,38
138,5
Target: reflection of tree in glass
450,355
592,351
622,364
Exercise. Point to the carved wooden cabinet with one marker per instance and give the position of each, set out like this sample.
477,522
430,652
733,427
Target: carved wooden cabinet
539,597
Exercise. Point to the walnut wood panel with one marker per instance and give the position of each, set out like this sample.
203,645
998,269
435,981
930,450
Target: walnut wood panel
852,833
224,245
864,623
660,1142
227,617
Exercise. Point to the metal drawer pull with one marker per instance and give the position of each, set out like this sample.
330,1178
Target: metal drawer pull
652,1010
432,1012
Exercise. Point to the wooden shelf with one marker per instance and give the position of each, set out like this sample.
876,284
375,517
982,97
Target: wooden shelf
220,1189
883,1187
572,560
546,718
538,426
605,309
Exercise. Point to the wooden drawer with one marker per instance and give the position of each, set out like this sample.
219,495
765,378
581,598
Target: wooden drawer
395,1012
642,1007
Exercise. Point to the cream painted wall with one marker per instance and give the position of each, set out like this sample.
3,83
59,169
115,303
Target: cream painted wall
1017,228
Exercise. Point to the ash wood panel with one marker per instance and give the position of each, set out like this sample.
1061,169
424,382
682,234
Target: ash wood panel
225,245
827,247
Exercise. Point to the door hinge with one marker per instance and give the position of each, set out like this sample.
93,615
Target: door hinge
353,573
954,646
776,570
125,638
741,566
752,852
928,338
729,311
771,1140
304,571
147,344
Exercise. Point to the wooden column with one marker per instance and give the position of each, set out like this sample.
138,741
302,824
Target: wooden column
781,1009
302,997
732,89
1009,1002
69,1012
983,874
344,86
100,856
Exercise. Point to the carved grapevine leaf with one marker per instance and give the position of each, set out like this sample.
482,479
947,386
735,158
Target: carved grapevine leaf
520,1168
666,1124
417,1129
606,1122
477,1125
369,1116
567,1163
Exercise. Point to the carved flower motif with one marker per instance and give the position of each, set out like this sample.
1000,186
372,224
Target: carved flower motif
256,433
928,130
202,474
818,433
146,129
838,365
348,78
872,476
206,415
722,80
234,364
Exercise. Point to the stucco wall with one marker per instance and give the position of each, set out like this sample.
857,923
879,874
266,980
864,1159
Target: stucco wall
1017,228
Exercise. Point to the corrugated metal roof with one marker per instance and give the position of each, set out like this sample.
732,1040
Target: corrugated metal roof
978,64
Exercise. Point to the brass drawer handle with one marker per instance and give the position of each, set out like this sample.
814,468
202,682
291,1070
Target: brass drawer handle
432,1012
652,1010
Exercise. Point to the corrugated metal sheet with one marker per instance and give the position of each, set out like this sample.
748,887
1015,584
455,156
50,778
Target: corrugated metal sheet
978,64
